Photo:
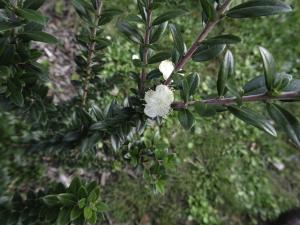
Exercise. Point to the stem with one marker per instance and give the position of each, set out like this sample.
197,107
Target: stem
145,47
201,37
287,96
91,53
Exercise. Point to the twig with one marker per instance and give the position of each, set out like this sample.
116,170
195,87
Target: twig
201,37
287,96
91,53
145,47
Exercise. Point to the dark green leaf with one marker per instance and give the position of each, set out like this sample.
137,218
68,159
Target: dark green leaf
15,89
51,200
223,39
286,121
33,4
75,213
208,52
256,8
159,57
269,66
157,32
177,39
130,32
205,110
63,217
31,15
74,186
254,119
38,36
168,16
208,9
225,73
4,26
186,119
67,199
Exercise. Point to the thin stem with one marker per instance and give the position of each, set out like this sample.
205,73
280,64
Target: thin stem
91,53
145,47
201,37
287,96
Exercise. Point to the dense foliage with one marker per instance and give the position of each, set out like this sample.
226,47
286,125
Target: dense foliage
134,133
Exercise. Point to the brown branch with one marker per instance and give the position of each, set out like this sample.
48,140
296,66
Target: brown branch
91,53
287,96
201,37
145,47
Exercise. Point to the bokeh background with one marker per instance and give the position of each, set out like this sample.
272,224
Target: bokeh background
225,172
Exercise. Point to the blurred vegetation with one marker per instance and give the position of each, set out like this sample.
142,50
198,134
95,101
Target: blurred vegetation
224,173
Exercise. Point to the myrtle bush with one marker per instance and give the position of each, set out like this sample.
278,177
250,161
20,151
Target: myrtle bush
157,90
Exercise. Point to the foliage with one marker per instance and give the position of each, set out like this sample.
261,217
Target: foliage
94,123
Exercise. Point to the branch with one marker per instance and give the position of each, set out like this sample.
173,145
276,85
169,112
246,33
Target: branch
91,53
145,47
284,96
201,37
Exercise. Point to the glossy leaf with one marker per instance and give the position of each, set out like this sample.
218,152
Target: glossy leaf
130,32
31,15
33,4
254,119
157,32
168,16
186,119
208,52
177,39
63,217
208,9
160,56
225,73
223,39
286,121
256,8
39,37
269,67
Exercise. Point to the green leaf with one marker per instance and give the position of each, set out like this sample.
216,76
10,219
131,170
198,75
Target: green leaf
4,26
208,52
157,32
258,85
186,119
31,15
39,37
63,217
33,4
209,10
101,207
223,39
160,56
254,119
130,32
15,89
205,110
75,213
93,218
225,73
94,195
256,8
177,39
286,121
269,66
67,199
75,186
82,203
194,82
88,213
168,16
51,200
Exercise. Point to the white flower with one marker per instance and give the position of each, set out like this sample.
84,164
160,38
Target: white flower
158,102
166,67
135,57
